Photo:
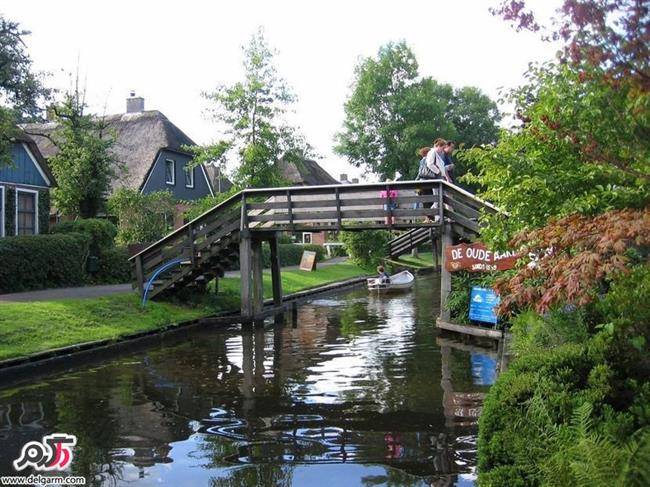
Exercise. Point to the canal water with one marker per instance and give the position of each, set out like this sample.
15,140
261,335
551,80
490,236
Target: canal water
352,389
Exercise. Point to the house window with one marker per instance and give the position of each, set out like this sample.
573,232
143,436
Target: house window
189,177
2,211
26,212
170,172
306,238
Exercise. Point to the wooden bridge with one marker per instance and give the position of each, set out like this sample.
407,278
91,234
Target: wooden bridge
236,228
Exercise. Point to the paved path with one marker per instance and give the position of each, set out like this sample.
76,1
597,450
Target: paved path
98,291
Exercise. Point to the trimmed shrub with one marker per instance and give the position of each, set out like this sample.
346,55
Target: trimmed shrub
291,254
101,232
114,267
366,248
43,261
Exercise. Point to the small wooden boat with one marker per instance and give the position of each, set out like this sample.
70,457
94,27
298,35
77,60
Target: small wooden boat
400,281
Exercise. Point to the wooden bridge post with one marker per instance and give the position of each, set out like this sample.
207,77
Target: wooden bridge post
276,276
246,270
139,274
258,288
445,275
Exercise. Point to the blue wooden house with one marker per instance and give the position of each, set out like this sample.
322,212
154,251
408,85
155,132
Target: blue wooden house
25,190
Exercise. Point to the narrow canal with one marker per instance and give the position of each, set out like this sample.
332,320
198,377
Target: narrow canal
353,389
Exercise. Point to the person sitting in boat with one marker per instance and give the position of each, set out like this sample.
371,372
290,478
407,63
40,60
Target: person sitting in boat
383,275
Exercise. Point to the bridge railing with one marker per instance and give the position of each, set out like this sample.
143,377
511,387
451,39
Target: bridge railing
344,207
393,205
189,241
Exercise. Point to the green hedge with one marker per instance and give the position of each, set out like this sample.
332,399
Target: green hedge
43,261
114,267
101,232
291,254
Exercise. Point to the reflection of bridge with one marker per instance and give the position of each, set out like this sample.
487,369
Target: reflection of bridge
201,249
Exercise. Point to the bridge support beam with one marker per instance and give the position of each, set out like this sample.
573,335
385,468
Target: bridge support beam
445,275
258,288
276,276
246,271
250,265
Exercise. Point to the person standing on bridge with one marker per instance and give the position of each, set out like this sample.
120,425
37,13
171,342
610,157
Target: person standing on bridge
449,162
435,160
390,195
434,168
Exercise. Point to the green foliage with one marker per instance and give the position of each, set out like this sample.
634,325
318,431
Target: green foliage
253,111
102,233
459,298
392,112
535,333
574,407
43,211
200,206
21,88
83,166
550,420
10,210
43,261
141,217
291,254
113,263
587,156
475,117
114,267
366,248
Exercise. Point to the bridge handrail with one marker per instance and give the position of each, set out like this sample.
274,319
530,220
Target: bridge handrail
341,188
183,228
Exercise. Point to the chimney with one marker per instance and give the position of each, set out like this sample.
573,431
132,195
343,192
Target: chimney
355,180
343,178
134,104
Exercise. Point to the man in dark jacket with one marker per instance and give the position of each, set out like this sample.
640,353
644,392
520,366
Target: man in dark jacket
449,162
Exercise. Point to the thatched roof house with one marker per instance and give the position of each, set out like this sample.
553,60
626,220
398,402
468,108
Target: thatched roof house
305,173
150,148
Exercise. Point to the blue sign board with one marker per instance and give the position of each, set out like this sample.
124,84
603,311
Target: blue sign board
482,304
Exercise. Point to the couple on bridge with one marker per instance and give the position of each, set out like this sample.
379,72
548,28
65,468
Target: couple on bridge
436,162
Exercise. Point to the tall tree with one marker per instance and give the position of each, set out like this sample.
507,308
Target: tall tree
21,88
392,111
254,113
84,165
475,117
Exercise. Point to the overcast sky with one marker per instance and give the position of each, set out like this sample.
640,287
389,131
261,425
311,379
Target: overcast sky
171,51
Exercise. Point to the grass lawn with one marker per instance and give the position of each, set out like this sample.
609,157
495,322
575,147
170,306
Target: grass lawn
424,259
27,328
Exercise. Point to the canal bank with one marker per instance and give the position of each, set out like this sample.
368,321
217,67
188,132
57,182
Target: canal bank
356,388
44,330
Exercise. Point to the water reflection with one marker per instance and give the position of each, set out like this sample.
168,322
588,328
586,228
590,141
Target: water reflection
350,390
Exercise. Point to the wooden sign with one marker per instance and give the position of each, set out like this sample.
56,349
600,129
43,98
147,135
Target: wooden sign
477,258
308,261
